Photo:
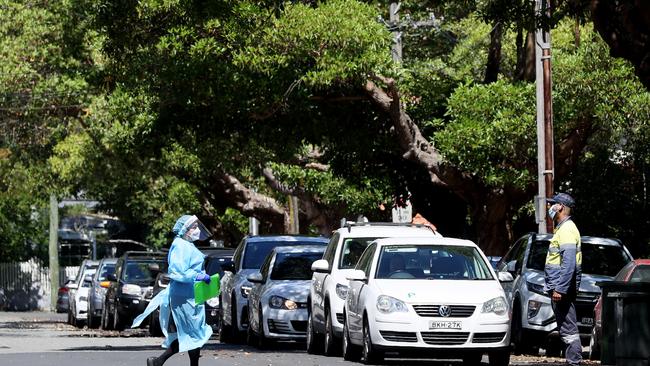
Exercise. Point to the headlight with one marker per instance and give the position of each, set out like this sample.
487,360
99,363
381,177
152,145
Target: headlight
538,289
213,302
387,305
533,308
131,290
497,305
342,291
278,302
245,290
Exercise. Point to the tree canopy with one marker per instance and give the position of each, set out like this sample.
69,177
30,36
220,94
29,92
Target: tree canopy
223,109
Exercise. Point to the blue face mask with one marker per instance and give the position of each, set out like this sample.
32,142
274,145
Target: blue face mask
552,212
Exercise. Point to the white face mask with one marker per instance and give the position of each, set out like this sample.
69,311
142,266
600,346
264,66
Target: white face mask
195,234
552,211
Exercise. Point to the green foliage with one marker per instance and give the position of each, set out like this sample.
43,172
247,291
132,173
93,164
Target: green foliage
493,132
332,191
337,42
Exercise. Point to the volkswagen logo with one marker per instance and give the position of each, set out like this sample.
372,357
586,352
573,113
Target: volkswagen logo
444,310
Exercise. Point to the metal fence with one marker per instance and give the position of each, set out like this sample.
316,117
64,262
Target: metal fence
25,286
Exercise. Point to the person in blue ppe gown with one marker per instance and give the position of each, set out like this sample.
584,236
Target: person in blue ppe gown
181,320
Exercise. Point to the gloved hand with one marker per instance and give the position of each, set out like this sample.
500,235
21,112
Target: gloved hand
202,277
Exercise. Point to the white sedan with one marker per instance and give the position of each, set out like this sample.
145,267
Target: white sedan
277,303
426,296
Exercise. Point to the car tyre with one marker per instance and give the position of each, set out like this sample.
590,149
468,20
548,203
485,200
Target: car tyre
350,351
554,348
369,355
521,345
499,358
224,329
262,341
594,346
329,343
235,334
107,322
313,338
154,325
118,323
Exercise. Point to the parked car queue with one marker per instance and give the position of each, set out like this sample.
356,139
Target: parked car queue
372,293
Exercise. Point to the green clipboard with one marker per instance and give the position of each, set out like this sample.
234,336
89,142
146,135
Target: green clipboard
205,291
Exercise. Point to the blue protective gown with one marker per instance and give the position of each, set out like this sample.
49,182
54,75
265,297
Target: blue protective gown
185,263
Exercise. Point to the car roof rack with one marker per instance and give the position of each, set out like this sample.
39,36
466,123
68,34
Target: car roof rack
350,224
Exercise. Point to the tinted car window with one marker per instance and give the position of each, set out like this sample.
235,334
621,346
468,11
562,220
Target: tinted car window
138,271
597,259
351,251
106,270
294,266
214,266
641,274
256,252
432,262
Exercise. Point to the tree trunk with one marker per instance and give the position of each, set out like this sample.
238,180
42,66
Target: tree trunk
529,69
494,54
492,218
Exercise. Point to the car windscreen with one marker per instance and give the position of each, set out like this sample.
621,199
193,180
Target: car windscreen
597,259
257,251
432,262
214,265
294,266
640,274
351,251
107,269
141,271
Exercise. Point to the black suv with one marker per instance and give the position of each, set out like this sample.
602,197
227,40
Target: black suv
134,276
215,261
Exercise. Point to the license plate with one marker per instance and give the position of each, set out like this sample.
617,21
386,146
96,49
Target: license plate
436,324
587,321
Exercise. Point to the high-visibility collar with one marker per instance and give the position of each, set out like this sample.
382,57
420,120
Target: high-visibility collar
561,222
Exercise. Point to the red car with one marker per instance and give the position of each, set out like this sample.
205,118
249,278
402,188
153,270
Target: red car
636,271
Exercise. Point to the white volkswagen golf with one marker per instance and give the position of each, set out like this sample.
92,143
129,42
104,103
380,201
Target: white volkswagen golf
438,295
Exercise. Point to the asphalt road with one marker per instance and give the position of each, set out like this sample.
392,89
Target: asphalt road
44,339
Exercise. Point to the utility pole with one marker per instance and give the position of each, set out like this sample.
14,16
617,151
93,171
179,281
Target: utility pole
294,227
545,159
54,251
397,27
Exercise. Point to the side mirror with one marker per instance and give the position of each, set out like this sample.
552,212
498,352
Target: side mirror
229,267
505,277
73,286
511,266
88,278
320,266
357,275
255,278
111,277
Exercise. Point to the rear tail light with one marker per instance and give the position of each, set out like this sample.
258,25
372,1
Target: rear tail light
63,289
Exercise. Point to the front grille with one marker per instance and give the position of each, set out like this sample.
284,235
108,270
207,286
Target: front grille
445,338
457,311
339,317
488,337
399,336
278,326
299,325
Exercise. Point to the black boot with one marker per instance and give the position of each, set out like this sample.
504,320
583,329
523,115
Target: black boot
160,360
194,356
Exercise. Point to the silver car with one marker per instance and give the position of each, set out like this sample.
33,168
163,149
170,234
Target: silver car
533,320
277,303
97,291
248,259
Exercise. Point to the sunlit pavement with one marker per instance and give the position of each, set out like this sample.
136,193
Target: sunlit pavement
43,338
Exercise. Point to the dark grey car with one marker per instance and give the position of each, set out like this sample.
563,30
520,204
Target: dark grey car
97,291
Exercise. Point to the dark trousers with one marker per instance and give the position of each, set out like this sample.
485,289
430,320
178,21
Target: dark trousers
565,315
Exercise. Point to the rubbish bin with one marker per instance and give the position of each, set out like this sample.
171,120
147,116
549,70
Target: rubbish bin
625,323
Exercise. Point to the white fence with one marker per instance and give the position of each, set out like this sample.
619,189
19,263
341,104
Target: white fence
26,285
